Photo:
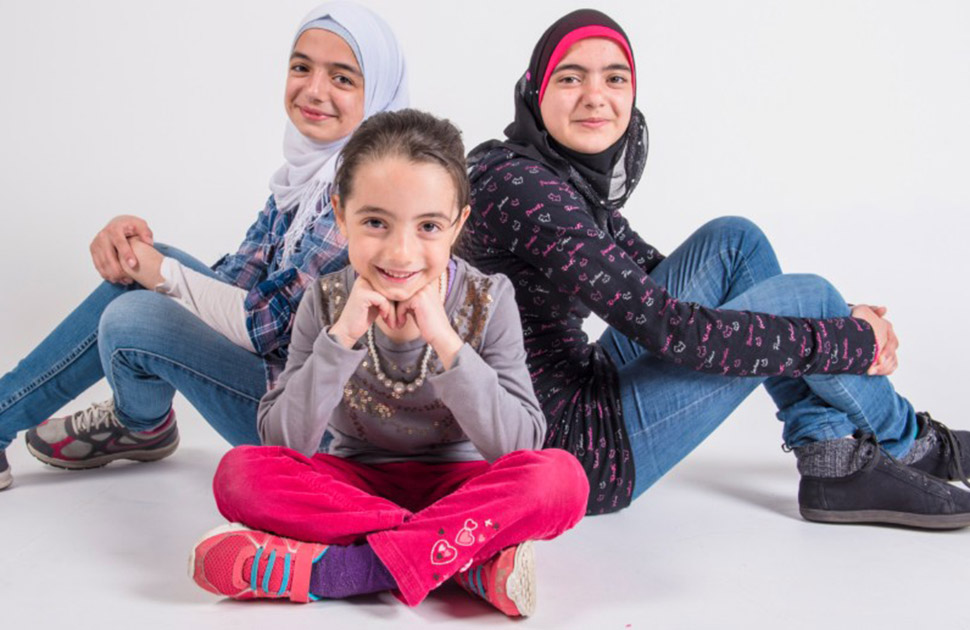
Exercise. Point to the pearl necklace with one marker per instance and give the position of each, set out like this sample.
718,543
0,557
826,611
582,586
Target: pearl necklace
398,388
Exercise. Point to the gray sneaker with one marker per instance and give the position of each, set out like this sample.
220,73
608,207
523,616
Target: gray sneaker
5,477
94,437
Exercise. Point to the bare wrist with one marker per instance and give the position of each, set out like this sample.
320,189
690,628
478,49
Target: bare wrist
344,339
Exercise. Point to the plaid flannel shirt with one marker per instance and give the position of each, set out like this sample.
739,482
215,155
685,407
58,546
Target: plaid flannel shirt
274,291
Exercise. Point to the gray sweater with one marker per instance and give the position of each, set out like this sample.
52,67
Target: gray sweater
481,408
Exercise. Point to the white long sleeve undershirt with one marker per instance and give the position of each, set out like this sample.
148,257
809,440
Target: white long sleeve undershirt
218,304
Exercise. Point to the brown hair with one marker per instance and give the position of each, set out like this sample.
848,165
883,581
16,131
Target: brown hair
408,133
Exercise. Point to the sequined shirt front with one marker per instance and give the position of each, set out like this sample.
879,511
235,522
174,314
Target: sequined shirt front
481,408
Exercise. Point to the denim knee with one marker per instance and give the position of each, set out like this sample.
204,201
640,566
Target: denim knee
132,317
826,301
735,230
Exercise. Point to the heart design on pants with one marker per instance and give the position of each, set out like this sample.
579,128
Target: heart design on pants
465,537
443,553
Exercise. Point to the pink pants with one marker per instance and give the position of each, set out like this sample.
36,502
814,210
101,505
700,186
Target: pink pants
426,522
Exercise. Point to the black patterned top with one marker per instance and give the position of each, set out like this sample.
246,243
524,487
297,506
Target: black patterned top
567,260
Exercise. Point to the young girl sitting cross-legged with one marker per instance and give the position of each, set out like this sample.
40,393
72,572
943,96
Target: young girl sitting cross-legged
415,363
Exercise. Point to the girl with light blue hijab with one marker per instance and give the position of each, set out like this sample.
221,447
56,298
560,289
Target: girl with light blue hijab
218,335
304,180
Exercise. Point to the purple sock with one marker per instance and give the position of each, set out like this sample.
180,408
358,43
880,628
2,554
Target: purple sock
346,571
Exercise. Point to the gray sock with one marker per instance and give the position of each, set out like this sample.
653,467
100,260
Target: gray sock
921,447
833,458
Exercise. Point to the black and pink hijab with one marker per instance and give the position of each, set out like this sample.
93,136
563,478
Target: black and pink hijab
605,179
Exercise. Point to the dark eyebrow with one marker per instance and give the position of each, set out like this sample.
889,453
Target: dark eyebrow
578,68
384,213
435,215
373,210
332,64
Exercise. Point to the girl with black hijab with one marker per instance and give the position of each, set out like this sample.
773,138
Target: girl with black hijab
689,335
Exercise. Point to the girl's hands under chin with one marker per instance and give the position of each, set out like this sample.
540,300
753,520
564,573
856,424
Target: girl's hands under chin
428,312
364,304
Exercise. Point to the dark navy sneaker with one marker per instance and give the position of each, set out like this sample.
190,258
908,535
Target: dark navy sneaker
5,477
949,457
94,437
884,491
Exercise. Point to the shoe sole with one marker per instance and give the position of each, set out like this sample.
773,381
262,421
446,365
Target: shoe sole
97,462
5,479
521,584
887,517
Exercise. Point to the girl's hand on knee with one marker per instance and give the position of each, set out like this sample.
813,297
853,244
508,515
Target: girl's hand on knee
110,246
148,268
887,361
363,306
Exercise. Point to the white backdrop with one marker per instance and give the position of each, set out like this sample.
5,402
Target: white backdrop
841,127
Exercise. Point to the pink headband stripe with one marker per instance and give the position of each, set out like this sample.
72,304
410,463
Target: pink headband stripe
585,32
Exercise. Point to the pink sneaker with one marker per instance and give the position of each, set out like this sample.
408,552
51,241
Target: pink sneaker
243,563
506,581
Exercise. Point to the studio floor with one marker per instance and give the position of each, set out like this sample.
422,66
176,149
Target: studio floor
718,543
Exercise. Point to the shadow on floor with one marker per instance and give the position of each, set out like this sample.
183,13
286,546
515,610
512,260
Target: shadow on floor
753,483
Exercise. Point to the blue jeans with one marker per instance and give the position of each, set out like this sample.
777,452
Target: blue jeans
668,409
147,346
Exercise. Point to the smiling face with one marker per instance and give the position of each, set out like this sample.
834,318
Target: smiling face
400,223
324,95
589,98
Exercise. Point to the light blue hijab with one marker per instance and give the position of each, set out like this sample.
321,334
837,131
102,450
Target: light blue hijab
303,183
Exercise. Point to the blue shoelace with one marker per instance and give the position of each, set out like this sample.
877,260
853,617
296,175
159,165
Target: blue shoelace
474,580
256,585
268,572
